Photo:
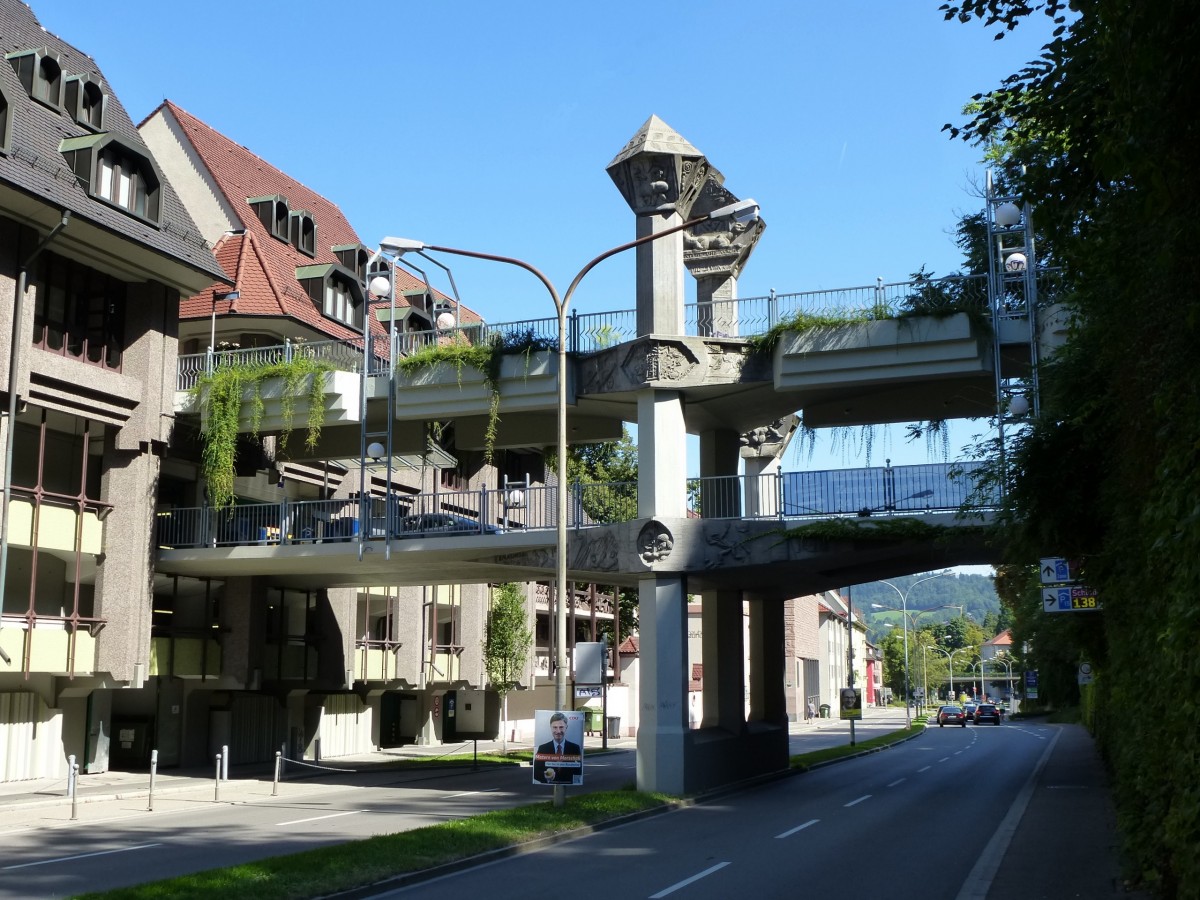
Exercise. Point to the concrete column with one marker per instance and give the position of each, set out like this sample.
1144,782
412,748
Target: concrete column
724,655
716,299
659,278
768,701
722,646
762,494
663,668
662,455
719,455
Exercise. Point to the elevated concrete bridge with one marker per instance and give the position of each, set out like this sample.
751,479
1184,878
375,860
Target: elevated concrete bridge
740,399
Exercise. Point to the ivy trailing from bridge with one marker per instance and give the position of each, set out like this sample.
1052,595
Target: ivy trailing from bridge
223,399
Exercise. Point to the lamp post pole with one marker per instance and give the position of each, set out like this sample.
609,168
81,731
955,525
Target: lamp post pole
904,609
741,211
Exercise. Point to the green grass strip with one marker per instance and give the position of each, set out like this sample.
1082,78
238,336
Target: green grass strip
315,873
805,761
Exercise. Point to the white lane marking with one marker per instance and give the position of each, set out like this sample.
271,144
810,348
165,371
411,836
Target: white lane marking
792,831
987,864
61,859
680,884
943,759
897,781
352,812
470,793
926,769
858,801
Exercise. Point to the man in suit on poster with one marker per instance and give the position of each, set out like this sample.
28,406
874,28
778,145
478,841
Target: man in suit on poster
558,761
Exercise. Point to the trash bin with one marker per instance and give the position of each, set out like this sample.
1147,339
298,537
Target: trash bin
595,721
824,710
614,726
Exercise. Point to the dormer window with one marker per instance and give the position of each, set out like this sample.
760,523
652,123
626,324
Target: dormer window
116,173
40,74
273,212
303,232
335,291
85,101
5,121
353,257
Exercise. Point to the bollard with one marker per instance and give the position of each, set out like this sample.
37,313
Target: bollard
217,781
278,763
224,762
153,770
283,759
74,785
71,767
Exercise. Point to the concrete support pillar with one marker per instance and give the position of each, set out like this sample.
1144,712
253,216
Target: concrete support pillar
659,278
762,487
716,302
662,455
663,666
719,458
724,658
768,700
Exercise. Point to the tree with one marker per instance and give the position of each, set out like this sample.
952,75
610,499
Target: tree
1099,135
506,647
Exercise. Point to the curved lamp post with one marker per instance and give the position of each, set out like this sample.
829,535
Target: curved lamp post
949,654
742,212
904,609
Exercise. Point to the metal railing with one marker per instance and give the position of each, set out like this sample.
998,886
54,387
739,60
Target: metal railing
589,332
879,491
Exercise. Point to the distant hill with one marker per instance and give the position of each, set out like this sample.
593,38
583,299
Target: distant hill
975,593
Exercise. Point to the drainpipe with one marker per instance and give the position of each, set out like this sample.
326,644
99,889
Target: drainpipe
14,368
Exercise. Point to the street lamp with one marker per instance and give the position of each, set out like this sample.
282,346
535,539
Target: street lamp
904,609
216,298
949,654
742,212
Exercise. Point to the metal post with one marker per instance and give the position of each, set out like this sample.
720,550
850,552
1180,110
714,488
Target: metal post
153,771
224,762
74,786
278,766
217,780
282,758
71,770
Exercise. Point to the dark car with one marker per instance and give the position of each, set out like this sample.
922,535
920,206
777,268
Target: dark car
439,524
987,712
969,710
951,715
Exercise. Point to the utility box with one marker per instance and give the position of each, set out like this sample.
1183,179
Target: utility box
471,715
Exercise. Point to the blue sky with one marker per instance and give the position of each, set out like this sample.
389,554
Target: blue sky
488,126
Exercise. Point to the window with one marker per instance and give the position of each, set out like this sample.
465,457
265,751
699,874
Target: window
40,74
85,101
5,121
115,173
80,313
353,258
339,301
336,292
273,212
303,232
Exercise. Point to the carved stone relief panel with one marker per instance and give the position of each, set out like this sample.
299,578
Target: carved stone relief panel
655,542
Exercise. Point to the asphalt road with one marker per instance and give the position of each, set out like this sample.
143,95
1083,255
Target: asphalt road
907,823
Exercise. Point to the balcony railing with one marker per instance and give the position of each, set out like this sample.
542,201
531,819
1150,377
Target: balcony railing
587,333
880,491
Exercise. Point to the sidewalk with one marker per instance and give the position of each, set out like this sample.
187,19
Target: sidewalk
18,795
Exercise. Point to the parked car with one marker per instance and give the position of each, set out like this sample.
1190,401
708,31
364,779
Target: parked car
969,710
987,712
951,715
438,524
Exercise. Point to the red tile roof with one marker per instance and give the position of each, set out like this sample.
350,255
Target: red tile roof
263,266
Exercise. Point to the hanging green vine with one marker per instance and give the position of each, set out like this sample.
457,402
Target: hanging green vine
485,357
222,397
